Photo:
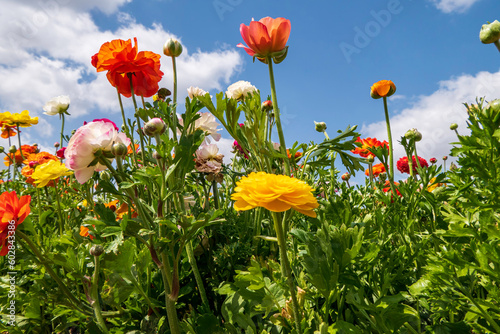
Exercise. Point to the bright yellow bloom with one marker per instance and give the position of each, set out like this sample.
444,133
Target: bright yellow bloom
49,171
22,119
276,193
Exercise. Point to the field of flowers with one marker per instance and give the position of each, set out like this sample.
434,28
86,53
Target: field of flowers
143,228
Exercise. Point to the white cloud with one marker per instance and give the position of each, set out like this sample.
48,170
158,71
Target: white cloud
46,47
433,114
450,6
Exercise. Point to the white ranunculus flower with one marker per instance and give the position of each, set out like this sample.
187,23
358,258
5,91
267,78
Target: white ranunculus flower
207,123
207,152
196,91
240,89
57,105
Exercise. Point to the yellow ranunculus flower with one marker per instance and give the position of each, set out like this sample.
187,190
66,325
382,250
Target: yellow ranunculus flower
276,193
22,119
49,171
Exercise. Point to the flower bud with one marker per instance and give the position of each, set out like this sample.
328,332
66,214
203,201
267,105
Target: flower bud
433,160
445,158
119,150
104,175
154,126
267,106
413,134
172,48
2,149
96,250
320,126
56,144
370,158
382,88
453,126
346,176
156,155
495,105
163,93
12,149
490,33
382,177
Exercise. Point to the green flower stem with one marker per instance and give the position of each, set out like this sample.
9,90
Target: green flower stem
196,273
216,194
141,135
62,129
42,258
391,153
277,116
370,171
173,321
39,204
190,253
127,130
497,44
59,213
174,109
288,272
95,296
143,294
19,141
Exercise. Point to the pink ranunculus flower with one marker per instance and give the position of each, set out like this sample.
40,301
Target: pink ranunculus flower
93,136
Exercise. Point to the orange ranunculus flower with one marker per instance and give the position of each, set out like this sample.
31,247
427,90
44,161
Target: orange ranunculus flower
383,88
265,37
123,210
124,63
84,232
7,130
276,193
17,158
297,155
366,144
377,170
13,211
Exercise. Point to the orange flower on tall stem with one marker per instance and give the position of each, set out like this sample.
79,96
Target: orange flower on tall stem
124,64
17,157
366,144
13,211
382,88
7,130
266,37
377,170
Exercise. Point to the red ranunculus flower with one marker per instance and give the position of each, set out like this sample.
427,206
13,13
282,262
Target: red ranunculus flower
404,167
124,63
265,37
13,211
366,144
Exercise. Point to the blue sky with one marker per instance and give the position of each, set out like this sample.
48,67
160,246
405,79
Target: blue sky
337,49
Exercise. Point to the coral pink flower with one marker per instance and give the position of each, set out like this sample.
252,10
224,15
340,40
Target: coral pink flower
265,36
88,139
